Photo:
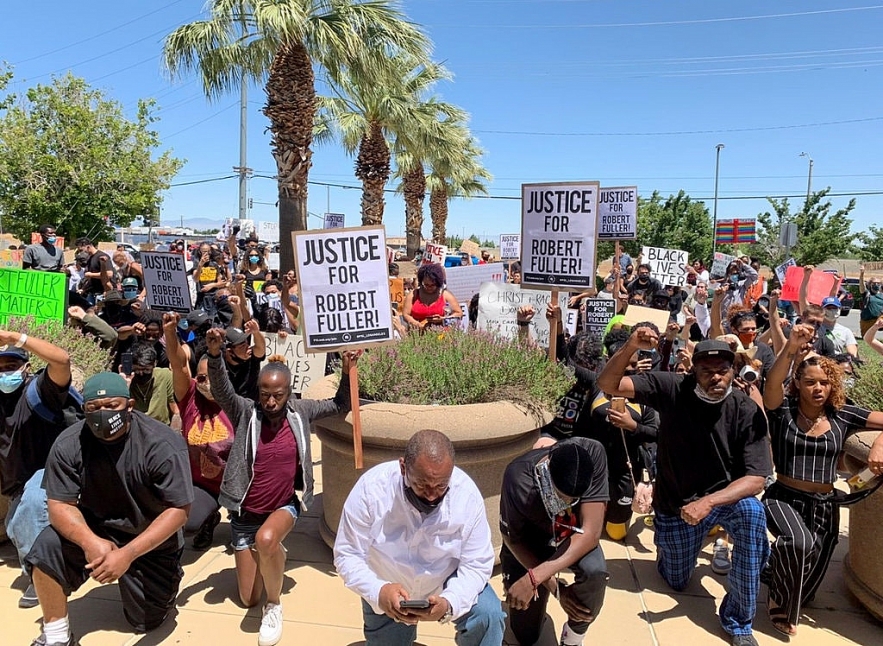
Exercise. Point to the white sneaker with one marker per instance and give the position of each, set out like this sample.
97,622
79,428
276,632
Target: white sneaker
271,625
569,637
720,558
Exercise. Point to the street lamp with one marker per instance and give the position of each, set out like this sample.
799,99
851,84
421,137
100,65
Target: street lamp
808,179
717,167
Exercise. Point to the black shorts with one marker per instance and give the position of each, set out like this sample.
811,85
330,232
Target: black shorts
148,588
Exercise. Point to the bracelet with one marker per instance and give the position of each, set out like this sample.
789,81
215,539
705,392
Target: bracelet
533,582
22,339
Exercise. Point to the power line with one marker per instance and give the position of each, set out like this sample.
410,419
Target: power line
669,133
204,181
193,125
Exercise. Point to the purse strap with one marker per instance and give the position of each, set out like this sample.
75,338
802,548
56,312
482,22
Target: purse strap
628,460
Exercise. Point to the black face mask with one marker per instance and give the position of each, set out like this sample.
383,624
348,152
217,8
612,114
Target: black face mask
142,378
422,504
107,424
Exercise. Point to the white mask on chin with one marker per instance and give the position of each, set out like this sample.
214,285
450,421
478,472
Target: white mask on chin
708,399
205,390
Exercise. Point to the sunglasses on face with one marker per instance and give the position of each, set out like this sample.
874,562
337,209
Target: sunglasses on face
201,379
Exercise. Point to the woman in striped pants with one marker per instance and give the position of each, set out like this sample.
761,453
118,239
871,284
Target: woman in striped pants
807,430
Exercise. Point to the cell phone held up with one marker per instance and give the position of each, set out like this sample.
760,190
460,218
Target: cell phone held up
414,604
617,404
126,363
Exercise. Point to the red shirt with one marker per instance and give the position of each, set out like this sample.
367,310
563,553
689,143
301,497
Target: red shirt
421,312
209,436
275,468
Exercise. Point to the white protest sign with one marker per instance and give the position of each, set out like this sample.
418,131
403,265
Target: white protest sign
782,269
570,319
434,253
268,231
165,280
618,213
273,261
668,266
306,367
246,228
464,282
720,264
558,231
333,221
510,246
344,287
499,302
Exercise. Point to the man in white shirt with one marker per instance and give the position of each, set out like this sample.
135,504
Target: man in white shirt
414,530
842,337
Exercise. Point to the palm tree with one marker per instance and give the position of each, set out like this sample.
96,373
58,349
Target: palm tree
380,97
457,174
277,43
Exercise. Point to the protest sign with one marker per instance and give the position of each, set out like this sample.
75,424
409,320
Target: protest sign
821,285
510,246
464,282
598,312
873,266
333,221
390,255
499,302
668,266
570,319
434,253
306,368
397,292
618,213
36,238
268,231
636,314
720,264
344,286
165,280
41,294
470,247
558,231
273,261
11,258
782,269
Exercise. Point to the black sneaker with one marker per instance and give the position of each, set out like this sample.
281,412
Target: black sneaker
744,640
205,535
29,598
41,641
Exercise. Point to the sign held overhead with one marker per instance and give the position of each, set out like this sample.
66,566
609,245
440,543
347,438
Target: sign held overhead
618,213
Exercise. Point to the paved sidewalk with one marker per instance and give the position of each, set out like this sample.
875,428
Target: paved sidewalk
319,611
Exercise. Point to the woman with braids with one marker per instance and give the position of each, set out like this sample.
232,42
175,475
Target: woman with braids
269,459
807,430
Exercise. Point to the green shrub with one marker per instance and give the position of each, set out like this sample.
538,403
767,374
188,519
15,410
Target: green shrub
87,357
868,388
455,367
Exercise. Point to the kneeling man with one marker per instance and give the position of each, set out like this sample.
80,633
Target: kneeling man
119,491
415,530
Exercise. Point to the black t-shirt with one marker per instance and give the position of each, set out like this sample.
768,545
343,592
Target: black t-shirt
244,376
121,487
26,437
701,448
523,517
96,285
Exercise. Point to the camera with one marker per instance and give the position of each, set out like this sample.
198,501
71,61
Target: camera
748,374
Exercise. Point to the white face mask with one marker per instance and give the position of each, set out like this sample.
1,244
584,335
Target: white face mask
205,390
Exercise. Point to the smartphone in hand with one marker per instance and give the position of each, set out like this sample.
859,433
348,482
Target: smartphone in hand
126,362
415,604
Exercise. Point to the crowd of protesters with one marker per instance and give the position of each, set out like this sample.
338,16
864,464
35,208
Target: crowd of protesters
736,409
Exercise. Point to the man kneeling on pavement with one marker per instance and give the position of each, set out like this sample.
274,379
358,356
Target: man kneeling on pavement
415,531
551,516
119,491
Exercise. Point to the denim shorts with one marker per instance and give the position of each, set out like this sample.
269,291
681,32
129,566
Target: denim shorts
244,525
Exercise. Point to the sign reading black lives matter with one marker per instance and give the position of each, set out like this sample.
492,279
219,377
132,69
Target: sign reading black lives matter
344,283
165,279
558,231
618,213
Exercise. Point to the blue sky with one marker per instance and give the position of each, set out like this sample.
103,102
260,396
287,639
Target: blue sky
620,91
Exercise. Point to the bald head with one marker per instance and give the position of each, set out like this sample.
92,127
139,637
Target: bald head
433,445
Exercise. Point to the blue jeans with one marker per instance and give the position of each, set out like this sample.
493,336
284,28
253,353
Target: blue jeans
678,545
28,515
483,625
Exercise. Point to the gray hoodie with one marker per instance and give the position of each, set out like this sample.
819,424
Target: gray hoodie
246,418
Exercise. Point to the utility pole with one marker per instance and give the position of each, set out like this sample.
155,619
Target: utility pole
717,167
243,169
808,179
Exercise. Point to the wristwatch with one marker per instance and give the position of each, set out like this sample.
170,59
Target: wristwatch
445,618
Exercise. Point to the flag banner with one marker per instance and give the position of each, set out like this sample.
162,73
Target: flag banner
735,231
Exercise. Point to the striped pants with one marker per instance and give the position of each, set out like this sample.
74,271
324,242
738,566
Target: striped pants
678,545
806,528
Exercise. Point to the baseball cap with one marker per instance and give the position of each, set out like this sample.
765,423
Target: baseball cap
235,336
711,349
196,319
130,282
105,384
13,352
831,301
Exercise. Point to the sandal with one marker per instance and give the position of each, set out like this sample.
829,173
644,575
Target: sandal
779,619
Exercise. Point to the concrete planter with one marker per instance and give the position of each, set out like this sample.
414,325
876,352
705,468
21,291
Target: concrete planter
863,568
486,438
